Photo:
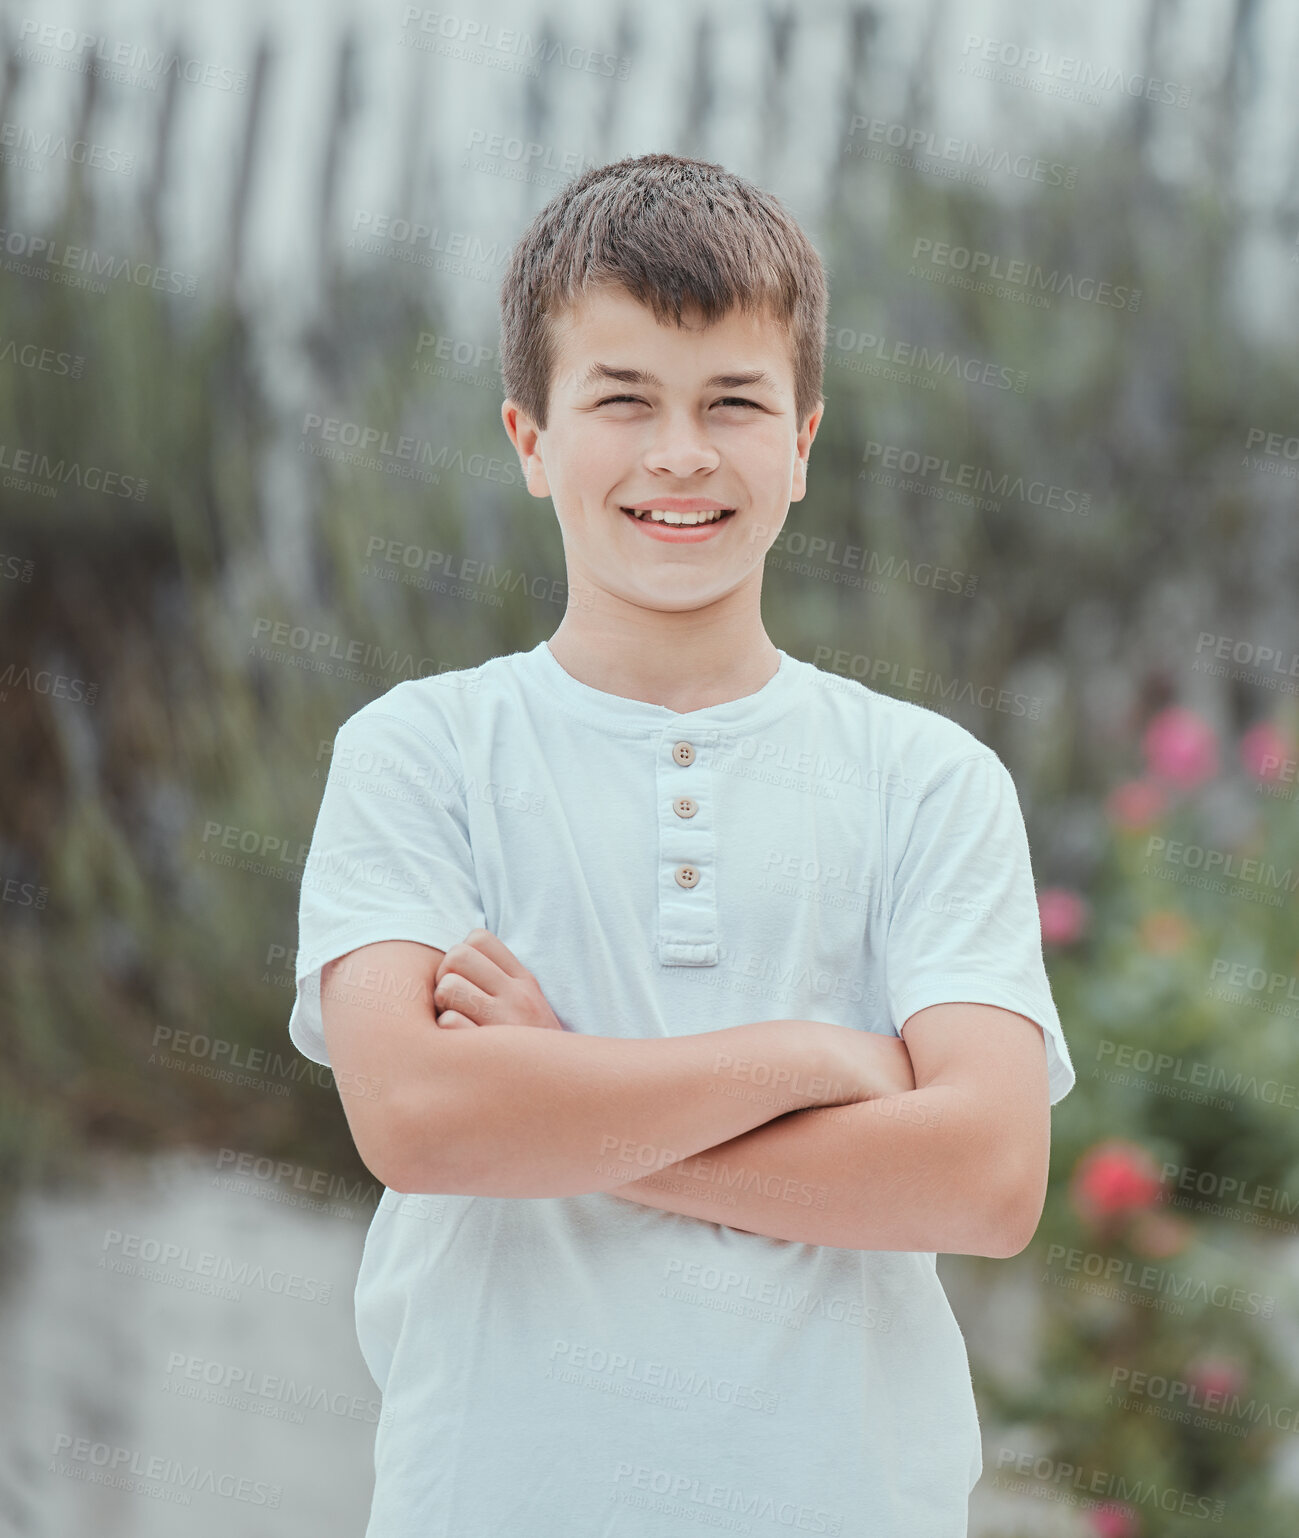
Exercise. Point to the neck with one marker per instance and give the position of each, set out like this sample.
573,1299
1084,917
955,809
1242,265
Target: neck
684,661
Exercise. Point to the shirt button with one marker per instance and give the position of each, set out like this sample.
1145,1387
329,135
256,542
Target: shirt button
686,875
684,754
683,806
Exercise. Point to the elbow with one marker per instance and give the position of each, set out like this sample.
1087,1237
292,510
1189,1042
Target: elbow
392,1167
413,1176
1017,1222
408,1154
1010,1243
1022,1196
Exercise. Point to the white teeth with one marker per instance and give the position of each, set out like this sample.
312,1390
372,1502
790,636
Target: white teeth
661,515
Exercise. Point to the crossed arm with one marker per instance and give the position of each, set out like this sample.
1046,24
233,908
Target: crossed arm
931,1169
958,1164
946,1150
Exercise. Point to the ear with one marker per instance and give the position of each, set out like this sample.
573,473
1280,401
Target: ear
526,438
803,445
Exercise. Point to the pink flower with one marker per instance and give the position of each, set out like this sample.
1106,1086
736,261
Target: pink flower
1216,1375
1180,747
1113,1179
1115,1519
1135,804
1064,915
1263,750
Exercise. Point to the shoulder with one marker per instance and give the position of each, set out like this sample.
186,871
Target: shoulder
438,708
913,742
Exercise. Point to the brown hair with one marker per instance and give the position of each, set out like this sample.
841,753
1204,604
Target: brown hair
674,233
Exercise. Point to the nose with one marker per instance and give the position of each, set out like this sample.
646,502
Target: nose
681,446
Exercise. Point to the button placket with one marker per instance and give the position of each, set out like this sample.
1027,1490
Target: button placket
687,885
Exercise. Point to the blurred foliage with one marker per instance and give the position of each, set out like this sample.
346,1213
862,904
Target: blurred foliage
123,925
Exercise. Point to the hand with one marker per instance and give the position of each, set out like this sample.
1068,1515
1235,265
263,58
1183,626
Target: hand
481,982
868,1064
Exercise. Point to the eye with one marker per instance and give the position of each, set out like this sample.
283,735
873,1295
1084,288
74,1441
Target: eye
636,400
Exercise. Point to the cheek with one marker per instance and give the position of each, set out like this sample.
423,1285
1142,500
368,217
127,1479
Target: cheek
591,468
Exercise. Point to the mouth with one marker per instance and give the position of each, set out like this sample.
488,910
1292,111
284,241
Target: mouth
666,518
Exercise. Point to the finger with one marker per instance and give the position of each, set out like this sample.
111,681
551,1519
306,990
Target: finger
452,1020
488,944
467,961
456,993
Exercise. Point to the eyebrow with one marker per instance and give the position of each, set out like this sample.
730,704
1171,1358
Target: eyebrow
636,376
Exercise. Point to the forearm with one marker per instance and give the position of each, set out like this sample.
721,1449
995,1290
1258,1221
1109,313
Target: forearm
513,1111
905,1172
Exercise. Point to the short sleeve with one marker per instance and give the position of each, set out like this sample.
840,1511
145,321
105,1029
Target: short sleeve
389,859
964,925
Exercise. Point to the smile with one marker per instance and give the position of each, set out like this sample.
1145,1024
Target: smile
673,528
678,520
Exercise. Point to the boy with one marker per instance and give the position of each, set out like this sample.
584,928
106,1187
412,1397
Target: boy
692,996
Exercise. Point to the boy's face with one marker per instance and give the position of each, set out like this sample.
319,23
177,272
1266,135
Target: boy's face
643,413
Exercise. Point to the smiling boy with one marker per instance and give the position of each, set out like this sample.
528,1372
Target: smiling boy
687,999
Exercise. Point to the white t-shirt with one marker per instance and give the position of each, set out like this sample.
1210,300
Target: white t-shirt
584,1366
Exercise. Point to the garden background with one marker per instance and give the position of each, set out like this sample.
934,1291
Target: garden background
253,474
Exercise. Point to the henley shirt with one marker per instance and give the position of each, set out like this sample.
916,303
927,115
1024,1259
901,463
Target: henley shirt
584,1366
